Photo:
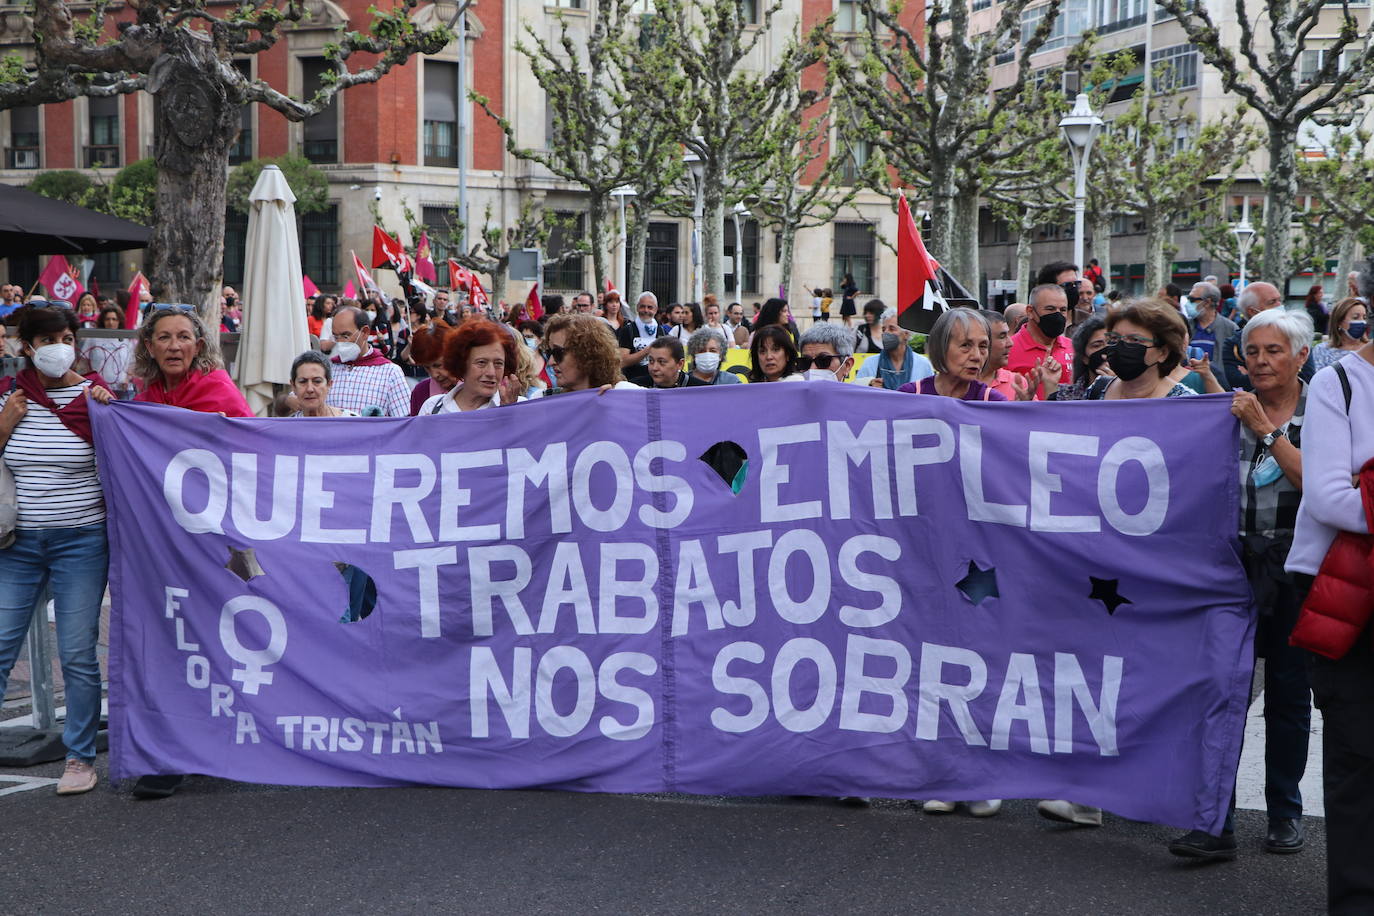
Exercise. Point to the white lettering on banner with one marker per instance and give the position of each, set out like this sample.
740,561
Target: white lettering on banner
551,470
454,497
810,545
486,682
427,561
281,502
334,734
208,519
1147,454
1044,483
639,589
907,456
252,675
246,728
744,545
674,486
615,515
486,589
773,474
173,603
844,448
694,586
221,700
184,644
387,494
886,587
971,472
882,669
315,499
566,586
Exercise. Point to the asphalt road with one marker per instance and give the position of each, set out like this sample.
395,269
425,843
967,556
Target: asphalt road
221,847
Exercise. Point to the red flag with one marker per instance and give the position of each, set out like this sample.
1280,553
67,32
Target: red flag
534,306
60,280
424,263
136,288
919,302
459,277
311,290
478,296
365,281
387,252
609,287
350,291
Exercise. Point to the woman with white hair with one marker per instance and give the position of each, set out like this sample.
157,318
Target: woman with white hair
706,347
957,348
1275,346
896,363
1338,435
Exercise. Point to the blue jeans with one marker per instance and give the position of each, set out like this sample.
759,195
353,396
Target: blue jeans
72,563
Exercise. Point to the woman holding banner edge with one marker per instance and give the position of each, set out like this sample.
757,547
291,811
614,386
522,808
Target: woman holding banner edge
58,542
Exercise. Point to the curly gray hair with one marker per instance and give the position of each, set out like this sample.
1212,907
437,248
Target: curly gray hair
145,367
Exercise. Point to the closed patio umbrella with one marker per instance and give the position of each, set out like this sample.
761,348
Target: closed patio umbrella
274,329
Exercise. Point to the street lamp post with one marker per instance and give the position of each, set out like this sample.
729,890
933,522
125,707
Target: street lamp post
741,213
1245,237
620,194
1080,128
698,169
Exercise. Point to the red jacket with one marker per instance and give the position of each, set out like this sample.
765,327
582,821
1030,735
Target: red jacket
1341,603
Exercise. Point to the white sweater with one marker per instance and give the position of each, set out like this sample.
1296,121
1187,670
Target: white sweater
1333,449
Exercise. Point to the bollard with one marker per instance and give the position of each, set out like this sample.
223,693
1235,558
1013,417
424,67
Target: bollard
40,665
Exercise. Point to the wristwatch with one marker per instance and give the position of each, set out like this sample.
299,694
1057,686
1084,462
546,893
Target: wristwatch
1269,440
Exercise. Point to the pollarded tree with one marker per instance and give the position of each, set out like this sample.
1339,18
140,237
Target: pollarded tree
1343,181
1279,91
923,91
183,55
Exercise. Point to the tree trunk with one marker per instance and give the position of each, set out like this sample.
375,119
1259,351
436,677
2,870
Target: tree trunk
1025,235
596,216
940,243
195,123
1101,235
963,261
1345,261
713,238
1278,215
1156,237
788,268
498,281
639,248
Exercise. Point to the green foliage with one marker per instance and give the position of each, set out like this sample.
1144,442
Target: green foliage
133,192
1343,180
307,182
64,184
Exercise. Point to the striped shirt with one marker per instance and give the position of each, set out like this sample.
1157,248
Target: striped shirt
383,386
54,469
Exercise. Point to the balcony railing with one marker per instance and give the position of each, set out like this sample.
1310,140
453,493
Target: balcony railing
102,157
441,155
1129,22
22,157
321,151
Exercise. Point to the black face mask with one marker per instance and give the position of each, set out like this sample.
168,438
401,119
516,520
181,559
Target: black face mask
1052,325
1127,360
1095,360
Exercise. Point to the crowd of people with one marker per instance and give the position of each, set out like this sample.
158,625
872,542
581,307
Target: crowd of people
1303,406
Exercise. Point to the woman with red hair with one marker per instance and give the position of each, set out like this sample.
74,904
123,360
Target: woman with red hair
480,356
426,350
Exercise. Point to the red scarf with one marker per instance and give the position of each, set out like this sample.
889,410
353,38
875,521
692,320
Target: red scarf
205,392
74,416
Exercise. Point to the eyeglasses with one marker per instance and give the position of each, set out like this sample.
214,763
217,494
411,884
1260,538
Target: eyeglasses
1131,339
822,361
555,354
1196,299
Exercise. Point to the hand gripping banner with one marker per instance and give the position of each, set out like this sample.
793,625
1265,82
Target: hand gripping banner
800,589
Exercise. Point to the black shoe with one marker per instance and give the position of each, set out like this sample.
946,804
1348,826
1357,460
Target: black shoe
1285,835
1195,844
150,787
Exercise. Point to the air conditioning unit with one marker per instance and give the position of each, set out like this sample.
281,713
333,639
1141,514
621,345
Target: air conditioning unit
23,158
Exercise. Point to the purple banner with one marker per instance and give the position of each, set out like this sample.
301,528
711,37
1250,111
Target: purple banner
798,589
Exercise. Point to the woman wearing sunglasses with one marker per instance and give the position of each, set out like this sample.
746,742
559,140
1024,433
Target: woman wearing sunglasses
582,353
1146,341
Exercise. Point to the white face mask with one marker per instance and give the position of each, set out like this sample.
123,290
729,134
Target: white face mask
371,315
820,375
708,362
54,360
347,351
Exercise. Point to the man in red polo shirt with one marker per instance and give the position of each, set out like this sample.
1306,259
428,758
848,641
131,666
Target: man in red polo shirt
1041,341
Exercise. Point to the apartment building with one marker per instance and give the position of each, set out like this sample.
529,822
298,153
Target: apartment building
1155,35
395,144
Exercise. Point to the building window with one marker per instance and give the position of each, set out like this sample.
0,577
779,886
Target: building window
750,11
564,4
1115,15
105,271
981,5
854,162
320,246
1179,65
1074,18
441,114
751,256
23,151
321,131
440,226
854,254
236,248
242,150
102,150
849,17
569,274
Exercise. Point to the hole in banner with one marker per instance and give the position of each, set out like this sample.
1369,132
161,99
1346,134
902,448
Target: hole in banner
244,563
362,593
1105,590
980,584
730,461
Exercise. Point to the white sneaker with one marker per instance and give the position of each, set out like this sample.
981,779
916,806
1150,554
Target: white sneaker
939,807
985,808
1069,813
